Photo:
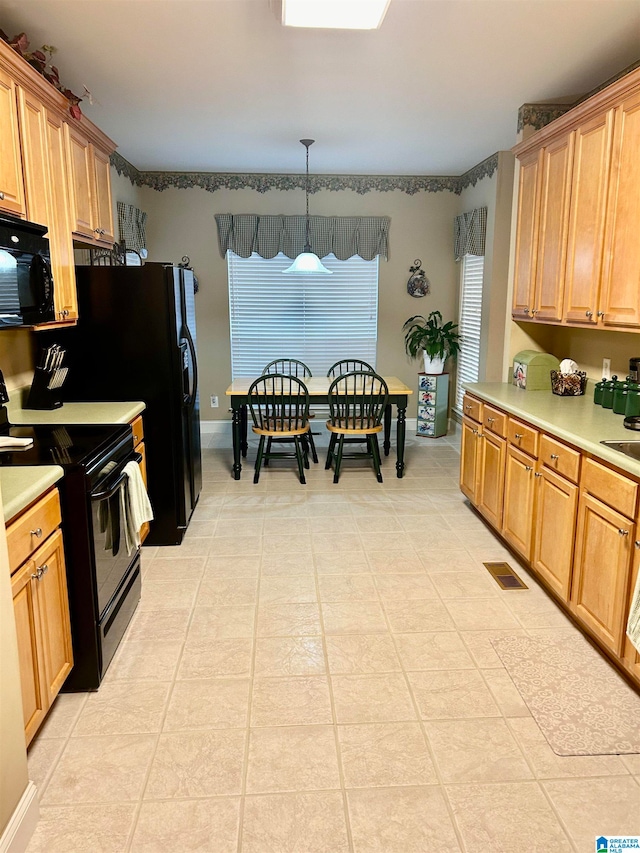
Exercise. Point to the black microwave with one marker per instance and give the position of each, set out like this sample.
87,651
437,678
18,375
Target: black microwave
26,282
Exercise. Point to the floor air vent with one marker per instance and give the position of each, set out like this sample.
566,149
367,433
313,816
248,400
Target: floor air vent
504,575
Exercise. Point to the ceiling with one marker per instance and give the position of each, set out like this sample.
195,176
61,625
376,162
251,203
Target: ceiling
220,85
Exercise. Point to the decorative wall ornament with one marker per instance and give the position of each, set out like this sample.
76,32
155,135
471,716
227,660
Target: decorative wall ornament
539,115
485,169
418,284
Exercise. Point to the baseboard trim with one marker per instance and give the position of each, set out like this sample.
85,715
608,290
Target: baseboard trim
22,823
210,427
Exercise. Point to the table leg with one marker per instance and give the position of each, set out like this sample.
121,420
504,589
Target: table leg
236,430
243,427
387,429
402,411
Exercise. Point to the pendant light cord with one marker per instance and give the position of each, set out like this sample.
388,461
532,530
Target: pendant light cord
307,143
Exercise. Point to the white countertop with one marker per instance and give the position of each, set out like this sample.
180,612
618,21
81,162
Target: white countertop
76,413
22,485
576,420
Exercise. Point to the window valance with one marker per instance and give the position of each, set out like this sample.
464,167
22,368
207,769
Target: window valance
344,236
131,226
469,230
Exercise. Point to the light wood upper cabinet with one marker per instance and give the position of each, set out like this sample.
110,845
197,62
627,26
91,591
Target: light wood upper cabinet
621,281
555,188
591,163
41,134
577,253
11,184
90,186
527,235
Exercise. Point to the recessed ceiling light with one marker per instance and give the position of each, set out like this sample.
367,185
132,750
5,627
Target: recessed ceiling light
334,14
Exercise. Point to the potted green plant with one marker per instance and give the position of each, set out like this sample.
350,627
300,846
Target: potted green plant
436,339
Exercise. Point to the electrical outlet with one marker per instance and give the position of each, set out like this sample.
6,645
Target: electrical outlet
606,368
214,402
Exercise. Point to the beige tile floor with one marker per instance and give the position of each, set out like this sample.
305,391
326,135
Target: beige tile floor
312,672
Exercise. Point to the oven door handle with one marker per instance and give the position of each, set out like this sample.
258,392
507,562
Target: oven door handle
104,494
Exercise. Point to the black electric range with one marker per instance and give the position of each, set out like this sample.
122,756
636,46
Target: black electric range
103,578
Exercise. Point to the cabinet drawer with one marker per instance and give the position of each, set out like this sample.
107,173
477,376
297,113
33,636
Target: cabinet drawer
494,420
31,529
613,489
472,408
523,436
560,458
137,430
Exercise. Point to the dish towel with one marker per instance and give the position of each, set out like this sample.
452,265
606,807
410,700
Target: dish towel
135,505
633,623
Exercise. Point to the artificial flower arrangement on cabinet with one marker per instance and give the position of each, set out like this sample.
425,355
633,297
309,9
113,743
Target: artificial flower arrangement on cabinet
40,60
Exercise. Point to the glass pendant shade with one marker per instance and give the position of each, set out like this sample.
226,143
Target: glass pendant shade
307,263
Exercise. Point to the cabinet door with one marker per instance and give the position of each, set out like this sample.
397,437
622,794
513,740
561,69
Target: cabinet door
621,282
591,163
34,700
62,259
554,538
11,185
469,459
519,499
526,236
491,478
53,610
631,654
602,565
102,196
140,448
34,156
80,168
555,193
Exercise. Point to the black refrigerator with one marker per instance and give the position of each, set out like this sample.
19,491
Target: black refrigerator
136,340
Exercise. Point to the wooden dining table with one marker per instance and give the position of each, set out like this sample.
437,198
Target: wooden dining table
318,387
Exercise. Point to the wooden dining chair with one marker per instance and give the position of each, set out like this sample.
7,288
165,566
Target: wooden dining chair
279,406
357,402
348,365
292,367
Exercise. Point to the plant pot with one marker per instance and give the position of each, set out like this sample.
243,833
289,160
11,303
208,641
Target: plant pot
433,365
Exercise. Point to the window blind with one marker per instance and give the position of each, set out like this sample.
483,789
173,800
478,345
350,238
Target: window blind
316,319
469,322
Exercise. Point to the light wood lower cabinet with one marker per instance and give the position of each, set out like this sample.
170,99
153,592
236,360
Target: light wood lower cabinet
573,520
601,570
519,500
491,477
469,459
41,608
137,429
554,530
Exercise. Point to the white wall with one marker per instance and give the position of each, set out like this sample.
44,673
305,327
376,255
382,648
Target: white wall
181,222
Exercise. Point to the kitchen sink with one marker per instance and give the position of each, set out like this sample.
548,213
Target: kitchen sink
629,448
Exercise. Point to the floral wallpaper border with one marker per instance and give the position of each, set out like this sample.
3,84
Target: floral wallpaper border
361,184
539,115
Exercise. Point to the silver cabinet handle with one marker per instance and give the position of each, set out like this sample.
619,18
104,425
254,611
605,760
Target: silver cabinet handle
1,196
467,408
534,311
537,474
623,532
588,313
555,456
41,570
37,532
518,435
637,543
525,310
600,313
490,420
528,468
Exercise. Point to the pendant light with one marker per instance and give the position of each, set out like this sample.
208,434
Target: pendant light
307,262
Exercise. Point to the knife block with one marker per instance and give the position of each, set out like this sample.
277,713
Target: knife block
40,395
